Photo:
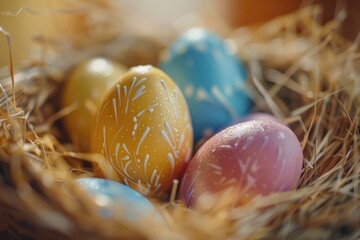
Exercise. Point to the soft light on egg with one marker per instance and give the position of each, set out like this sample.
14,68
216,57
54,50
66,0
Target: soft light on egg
82,92
111,195
100,66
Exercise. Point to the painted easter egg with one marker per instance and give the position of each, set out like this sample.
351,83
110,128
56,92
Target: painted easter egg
82,92
254,158
211,77
111,193
143,128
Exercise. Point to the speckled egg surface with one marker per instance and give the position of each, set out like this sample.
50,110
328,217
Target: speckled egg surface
83,89
254,157
254,116
143,128
108,193
211,77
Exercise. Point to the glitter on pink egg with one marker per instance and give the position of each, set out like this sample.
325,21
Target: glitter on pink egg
254,157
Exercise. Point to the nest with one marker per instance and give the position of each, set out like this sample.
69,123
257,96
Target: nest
300,70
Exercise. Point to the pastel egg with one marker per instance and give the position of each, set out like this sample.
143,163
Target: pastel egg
83,89
211,77
110,193
254,158
143,128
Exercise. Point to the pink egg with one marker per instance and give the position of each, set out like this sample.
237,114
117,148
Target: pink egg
254,158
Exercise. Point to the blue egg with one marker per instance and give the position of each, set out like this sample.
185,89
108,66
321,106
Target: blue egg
132,203
211,77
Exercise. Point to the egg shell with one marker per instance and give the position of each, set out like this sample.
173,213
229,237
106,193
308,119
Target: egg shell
84,87
110,193
254,157
143,128
211,77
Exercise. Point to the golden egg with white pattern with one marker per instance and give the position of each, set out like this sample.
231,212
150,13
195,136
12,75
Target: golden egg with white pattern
143,128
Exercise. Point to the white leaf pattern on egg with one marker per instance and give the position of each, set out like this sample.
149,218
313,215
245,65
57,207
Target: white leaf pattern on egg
142,80
158,178
278,154
115,110
138,93
118,93
202,95
223,101
281,135
157,187
164,135
153,176
189,90
165,88
171,161
265,142
117,152
222,180
104,142
215,167
225,146
168,129
125,95
244,166
169,98
248,142
255,167
142,138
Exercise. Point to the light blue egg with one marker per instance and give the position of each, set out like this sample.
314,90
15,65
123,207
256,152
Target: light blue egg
211,77
134,205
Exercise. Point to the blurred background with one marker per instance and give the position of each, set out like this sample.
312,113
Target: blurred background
47,21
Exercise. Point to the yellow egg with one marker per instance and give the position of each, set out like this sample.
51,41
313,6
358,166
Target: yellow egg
143,128
82,93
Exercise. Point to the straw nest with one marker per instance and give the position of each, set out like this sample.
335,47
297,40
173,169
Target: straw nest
299,69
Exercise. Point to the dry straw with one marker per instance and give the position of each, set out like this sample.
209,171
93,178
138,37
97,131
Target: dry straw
300,70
